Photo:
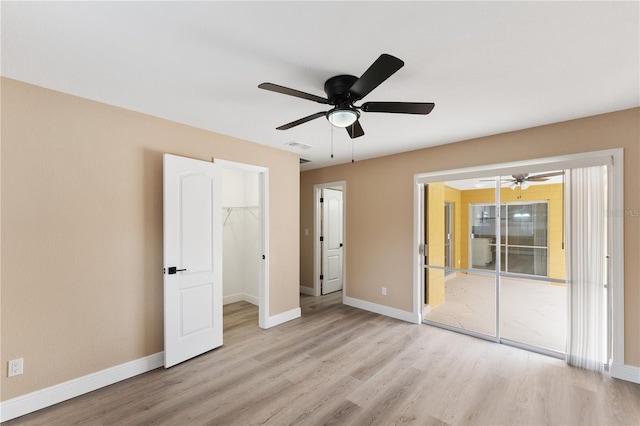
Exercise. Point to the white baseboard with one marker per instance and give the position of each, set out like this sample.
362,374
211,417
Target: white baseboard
306,290
382,310
232,298
43,398
240,297
278,319
629,373
251,299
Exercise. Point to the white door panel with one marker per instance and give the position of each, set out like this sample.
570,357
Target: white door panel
332,247
195,223
193,246
334,268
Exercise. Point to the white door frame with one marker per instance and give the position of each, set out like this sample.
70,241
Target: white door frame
317,250
263,190
612,157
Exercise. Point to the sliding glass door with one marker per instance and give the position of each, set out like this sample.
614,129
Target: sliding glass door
494,258
457,296
534,259
532,288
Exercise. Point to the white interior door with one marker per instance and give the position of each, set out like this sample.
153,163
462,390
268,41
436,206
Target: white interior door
192,258
332,247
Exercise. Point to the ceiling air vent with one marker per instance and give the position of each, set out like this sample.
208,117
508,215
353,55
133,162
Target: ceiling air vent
298,145
302,160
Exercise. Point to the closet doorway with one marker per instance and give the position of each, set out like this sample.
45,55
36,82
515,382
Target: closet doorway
245,238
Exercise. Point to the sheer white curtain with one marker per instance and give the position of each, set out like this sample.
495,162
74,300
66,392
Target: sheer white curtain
586,251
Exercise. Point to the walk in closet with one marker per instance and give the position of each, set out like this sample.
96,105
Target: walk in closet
241,251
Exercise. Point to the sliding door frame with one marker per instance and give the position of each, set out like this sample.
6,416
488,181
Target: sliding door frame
612,158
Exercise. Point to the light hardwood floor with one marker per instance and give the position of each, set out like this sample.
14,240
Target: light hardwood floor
341,365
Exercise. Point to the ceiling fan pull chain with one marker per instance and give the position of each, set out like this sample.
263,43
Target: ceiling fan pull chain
331,140
352,160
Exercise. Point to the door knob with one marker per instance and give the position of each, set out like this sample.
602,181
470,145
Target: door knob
173,270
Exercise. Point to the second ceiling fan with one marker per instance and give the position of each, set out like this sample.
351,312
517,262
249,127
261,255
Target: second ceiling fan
522,180
344,90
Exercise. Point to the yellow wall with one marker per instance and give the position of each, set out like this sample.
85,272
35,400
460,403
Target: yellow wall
435,243
436,194
454,196
379,218
81,268
551,193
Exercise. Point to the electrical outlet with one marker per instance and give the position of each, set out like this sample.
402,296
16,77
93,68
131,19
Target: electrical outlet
384,291
15,367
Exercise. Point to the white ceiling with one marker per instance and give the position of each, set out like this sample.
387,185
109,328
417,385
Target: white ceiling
490,67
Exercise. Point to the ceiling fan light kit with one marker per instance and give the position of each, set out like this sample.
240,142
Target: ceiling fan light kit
343,90
343,117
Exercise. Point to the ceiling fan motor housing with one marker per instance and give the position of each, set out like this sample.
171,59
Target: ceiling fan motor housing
337,90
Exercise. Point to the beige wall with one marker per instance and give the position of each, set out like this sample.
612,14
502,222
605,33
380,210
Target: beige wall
379,219
82,231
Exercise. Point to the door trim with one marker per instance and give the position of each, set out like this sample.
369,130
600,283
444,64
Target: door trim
263,182
317,252
611,157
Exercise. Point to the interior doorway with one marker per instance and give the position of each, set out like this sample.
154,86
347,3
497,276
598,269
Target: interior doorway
329,246
245,245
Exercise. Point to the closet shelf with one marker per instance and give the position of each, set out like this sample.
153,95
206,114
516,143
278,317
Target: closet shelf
231,209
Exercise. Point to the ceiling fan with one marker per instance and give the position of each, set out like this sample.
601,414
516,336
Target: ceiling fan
343,90
522,180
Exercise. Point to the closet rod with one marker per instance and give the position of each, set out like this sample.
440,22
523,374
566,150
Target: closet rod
231,209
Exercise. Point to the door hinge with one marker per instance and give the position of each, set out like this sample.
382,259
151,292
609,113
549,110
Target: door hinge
321,200
321,239
321,277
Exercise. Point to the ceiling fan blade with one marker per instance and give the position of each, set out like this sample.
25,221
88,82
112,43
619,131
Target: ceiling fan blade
292,92
383,68
546,175
301,121
537,179
399,107
355,130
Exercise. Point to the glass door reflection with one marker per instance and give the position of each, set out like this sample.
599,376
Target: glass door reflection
532,287
456,294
